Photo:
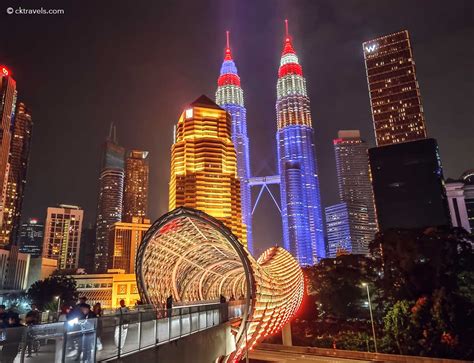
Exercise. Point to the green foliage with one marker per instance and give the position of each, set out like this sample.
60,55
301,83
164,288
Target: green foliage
44,292
422,288
341,277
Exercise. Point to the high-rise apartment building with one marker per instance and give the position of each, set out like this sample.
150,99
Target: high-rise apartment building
125,237
109,209
8,96
204,165
30,237
355,186
395,98
408,185
62,235
301,210
18,165
230,97
135,190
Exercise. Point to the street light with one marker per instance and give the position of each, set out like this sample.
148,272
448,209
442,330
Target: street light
366,285
59,301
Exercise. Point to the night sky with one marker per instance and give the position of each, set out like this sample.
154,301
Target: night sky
138,63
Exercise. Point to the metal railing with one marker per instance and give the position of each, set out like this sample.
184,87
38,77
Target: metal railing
110,336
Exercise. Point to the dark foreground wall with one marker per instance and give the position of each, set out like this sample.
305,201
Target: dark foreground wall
202,347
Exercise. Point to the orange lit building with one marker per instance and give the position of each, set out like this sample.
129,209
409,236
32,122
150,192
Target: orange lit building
204,165
125,237
8,96
18,164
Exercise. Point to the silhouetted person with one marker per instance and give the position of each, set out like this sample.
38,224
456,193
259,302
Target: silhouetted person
222,299
169,305
3,317
121,328
33,317
87,341
13,336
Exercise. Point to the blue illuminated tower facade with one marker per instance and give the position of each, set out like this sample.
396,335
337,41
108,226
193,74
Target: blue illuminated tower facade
301,211
229,96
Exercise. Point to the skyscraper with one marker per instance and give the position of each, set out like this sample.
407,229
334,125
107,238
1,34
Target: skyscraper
135,190
408,185
18,165
301,211
338,230
109,209
346,226
230,97
355,187
30,237
204,165
62,235
395,98
7,113
125,237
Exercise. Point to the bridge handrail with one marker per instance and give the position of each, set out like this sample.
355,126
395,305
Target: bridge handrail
118,334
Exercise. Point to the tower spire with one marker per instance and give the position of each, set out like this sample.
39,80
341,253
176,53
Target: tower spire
228,55
287,34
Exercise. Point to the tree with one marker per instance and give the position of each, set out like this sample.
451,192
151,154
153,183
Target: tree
44,292
397,327
337,285
435,268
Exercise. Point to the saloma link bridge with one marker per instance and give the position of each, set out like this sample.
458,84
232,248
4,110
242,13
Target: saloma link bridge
195,259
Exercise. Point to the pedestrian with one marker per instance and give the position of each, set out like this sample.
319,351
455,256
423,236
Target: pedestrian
13,336
169,305
97,309
33,317
86,344
121,327
3,317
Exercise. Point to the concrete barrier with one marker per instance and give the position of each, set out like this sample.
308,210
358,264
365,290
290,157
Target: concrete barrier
350,354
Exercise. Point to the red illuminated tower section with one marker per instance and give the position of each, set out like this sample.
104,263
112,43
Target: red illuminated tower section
302,221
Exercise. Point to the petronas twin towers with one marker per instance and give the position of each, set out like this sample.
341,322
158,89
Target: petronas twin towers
299,184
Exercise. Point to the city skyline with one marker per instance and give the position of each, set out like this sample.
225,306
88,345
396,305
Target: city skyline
320,80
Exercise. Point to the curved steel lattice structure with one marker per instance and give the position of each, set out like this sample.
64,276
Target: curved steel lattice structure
194,257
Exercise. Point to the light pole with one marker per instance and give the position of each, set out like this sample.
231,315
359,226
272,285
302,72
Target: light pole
59,302
366,285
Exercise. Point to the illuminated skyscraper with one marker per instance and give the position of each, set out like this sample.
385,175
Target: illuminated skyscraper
355,188
301,211
62,235
7,113
204,165
135,190
229,96
394,92
30,237
124,240
18,164
109,209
